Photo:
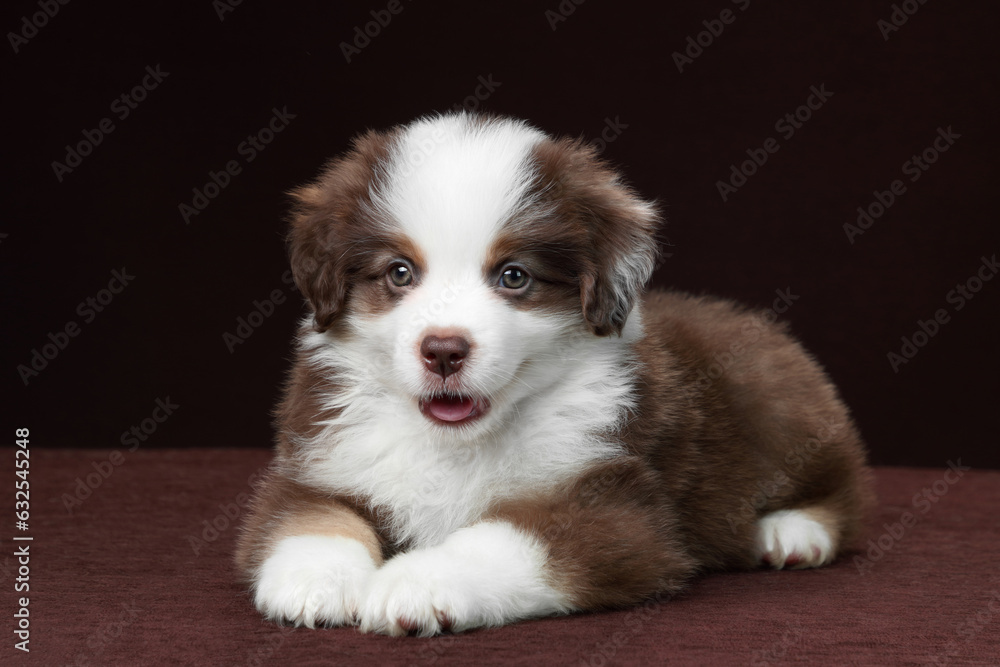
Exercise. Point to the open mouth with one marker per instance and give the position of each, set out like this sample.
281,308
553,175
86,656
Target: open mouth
453,410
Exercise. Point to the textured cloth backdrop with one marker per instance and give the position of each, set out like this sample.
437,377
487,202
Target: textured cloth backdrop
131,564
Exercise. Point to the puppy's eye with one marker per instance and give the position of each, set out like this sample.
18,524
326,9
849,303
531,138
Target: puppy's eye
400,275
514,277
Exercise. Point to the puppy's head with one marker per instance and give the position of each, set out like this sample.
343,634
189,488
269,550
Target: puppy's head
454,261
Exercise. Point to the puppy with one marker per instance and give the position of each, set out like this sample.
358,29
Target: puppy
487,421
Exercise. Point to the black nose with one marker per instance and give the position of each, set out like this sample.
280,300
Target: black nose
444,356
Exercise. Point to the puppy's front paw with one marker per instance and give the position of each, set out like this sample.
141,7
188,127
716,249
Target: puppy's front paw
412,593
483,575
793,539
313,580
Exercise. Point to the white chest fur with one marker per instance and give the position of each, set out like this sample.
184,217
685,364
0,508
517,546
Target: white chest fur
382,449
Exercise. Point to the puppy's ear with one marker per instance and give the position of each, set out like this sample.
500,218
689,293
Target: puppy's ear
618,228
326,220
319,274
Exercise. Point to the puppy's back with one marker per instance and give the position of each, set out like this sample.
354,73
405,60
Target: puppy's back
742,422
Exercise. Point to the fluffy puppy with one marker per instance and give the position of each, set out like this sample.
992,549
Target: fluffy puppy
487,421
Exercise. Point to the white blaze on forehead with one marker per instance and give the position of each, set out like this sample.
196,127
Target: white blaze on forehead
454,180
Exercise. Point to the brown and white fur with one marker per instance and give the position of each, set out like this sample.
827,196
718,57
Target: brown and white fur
487,421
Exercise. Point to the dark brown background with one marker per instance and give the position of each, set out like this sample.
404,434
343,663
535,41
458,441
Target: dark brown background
163,335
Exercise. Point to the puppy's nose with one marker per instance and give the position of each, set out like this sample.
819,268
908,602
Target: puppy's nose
444,356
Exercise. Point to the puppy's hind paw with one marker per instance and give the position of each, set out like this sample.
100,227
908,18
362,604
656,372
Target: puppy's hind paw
793,539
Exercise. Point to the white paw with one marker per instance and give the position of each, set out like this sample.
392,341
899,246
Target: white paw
484,575
791,539
313,580
413,593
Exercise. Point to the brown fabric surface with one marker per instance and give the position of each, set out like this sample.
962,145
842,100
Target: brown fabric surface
122,580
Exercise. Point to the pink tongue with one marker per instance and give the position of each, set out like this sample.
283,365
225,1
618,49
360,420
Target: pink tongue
451,409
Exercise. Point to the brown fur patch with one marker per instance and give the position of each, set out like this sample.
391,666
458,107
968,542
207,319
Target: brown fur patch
370,291
830,519
584,227
550,258
301,408
282,508
333,519
336,232
610,535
